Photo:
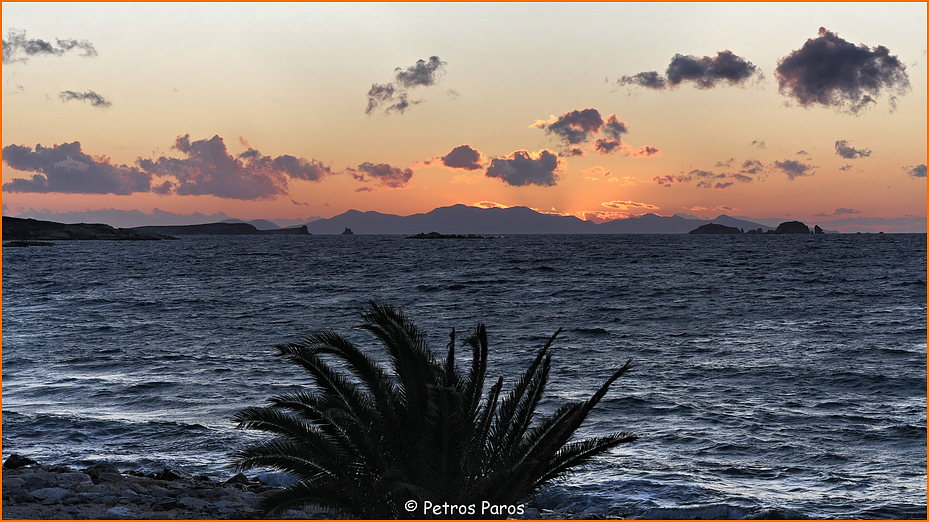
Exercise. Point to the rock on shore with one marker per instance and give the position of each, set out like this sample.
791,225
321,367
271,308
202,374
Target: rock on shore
32,491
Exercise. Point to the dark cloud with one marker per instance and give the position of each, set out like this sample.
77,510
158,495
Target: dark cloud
846,167
705,184
522,168
613,128
580,126
832,72
702,174
604,146
752,167
649,80
727,163
425,73
463,157
706,72
387,176
720,186
65,168
843,149
573,127
918,171
88,96
840,211
646,151
18,48
670,180
395,96
209,169
794,169
758,144
379,94
741,177
802,152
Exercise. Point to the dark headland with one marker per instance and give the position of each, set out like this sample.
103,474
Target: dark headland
33,230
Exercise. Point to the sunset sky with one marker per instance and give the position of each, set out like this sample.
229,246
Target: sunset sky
807,111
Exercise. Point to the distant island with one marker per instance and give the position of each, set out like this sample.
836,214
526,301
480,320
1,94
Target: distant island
787,227
219,229
436,235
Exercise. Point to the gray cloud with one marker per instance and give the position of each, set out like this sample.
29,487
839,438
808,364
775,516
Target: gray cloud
649,80
423,73
88,96
18,48
575,126
671,179
795,169
840,211
843,149
758,144
917,171
846,167
463,157
832,72
209,169
705,72
604,146
522,168
65,168
387,176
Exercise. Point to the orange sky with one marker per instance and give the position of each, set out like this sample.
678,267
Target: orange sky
285,88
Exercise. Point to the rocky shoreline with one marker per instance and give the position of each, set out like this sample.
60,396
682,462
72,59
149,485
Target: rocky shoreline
35,492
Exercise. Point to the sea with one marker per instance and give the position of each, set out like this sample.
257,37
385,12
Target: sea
775,376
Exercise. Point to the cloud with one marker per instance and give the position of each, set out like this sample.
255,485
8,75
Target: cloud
646,152
600,216
725,185
840,211
387,176
604,146
88,96
727,163
741,177
580,126
845,167
65,168
490,204
843,149
595,173
751,166
209,169
463,157
758,144
649,80
832,72
628,205
795,169
918,171
18,48
706,72
573,127
425,73
671,180
522,168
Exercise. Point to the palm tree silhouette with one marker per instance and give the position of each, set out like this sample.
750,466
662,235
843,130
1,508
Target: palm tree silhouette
368,440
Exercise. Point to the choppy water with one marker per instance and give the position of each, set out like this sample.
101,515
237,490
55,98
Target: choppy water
776,376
